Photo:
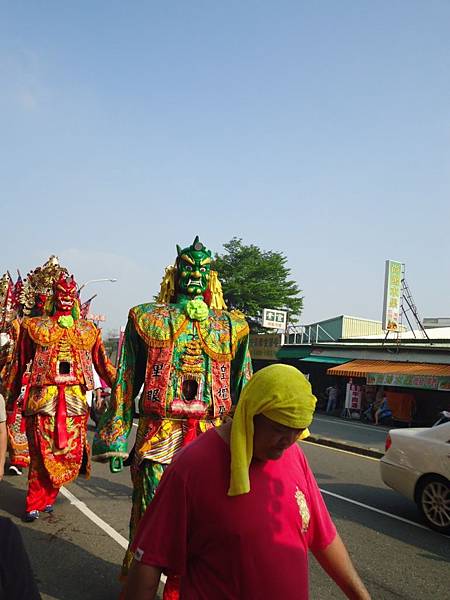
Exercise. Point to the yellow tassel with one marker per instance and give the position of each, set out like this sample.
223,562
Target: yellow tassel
167,289
215,288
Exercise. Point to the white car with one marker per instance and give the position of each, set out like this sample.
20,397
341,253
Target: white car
417,464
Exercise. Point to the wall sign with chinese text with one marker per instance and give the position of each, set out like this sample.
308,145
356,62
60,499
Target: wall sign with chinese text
274,319
392,295
424,382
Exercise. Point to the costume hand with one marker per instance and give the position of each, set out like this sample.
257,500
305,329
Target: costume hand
115,464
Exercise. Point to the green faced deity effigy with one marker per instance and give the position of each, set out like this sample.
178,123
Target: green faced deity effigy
193,267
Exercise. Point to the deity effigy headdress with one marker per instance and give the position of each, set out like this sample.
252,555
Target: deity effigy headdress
213,295
38,287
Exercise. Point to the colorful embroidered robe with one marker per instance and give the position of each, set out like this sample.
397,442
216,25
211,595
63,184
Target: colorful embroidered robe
55,401
190,372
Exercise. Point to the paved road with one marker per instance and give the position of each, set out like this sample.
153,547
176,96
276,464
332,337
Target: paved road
396,559
346,430
77,559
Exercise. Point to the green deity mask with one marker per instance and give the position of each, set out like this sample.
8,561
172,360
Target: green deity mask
193,266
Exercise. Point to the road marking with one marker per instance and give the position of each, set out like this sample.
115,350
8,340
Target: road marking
82,507
377,510
135,424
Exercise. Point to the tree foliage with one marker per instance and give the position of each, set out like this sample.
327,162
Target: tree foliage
254,279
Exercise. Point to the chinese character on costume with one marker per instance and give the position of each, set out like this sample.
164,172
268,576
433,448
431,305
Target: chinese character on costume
62,349
191,357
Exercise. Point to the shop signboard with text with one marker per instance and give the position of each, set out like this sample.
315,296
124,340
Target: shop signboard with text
392,295
353,396
274,319
264,346
424,382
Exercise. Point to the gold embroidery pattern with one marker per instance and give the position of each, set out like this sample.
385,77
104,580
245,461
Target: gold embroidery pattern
45,331
303,509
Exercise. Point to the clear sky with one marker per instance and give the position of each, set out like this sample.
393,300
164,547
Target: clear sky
316,128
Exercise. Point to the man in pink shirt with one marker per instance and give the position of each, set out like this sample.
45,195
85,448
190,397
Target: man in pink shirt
237,511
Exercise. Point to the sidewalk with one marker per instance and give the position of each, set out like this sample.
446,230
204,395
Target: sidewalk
348,435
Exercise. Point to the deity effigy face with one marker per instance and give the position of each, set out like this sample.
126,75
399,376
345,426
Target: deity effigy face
194,265
65,294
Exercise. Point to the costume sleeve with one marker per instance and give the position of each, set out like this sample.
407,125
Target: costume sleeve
322,530
4,359
8,349
115,424
241,369
23,354
161,538
102,364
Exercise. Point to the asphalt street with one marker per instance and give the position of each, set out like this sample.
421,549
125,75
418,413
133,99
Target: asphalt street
396,559
349,431
76,553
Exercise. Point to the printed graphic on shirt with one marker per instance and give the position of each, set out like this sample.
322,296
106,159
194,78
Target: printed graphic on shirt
138,554
303,509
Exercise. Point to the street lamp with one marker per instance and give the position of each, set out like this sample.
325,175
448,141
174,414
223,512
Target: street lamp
111,280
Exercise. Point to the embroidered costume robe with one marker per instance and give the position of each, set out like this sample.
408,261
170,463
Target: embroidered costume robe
55,404
191,373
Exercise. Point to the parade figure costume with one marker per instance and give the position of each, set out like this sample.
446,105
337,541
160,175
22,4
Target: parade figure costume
29,298
191,357
62,348
12,311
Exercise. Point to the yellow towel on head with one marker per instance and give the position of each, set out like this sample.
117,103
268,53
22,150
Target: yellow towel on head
279,392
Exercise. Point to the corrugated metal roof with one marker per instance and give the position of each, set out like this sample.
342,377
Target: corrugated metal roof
360,368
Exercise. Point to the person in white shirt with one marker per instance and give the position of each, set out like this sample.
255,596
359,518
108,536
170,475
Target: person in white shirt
94,397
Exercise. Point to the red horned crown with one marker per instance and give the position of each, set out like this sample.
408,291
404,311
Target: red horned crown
65,286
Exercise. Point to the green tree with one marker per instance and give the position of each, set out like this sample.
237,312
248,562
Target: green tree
254,279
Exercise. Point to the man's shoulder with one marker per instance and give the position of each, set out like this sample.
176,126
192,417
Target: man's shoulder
295,457
200,453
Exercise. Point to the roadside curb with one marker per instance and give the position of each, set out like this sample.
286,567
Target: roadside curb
344,445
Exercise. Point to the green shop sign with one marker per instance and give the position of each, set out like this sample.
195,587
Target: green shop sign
424,382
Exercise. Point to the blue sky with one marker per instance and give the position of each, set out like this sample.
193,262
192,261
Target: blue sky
320,129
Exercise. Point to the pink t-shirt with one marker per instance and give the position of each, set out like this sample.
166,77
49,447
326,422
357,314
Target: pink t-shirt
251,546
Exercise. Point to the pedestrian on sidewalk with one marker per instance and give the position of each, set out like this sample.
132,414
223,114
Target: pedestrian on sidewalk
332,392
238,510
